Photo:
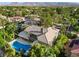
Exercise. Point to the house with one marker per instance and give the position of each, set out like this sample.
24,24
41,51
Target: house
3,17
74,48
1,27
16,19
44,35
77,34
35,20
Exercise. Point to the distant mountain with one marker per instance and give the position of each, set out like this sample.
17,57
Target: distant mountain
39,4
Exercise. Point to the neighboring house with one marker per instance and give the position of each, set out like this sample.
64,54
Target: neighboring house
34,21
16,19
3,17
1,27
74,48
77,34
44,35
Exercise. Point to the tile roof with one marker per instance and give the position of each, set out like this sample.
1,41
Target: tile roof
74,45
24,34
48,35
36,30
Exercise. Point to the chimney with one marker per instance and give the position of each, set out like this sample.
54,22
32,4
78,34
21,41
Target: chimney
42,30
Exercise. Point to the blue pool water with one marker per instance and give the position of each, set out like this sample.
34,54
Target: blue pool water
21,47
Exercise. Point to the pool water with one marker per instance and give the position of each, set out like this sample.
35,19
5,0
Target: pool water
21,47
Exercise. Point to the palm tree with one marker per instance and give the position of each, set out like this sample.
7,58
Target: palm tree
2,42
9,52
46,20
3,23
10,31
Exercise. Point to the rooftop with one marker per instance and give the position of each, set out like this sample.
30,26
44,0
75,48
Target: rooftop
35,30
74,45
47,36
18,17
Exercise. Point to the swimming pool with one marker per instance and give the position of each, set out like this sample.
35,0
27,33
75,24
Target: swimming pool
21,47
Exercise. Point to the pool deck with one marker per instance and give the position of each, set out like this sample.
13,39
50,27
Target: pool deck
21,41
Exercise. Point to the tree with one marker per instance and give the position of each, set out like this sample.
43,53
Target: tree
63,29
40,50
57,18
10,31
59,10
76,28
71,35
3,23
72,21
2,41
61,40
6,47
46,20
9,52
56,50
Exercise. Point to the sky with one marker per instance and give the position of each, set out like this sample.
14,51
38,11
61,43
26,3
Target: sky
39,1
